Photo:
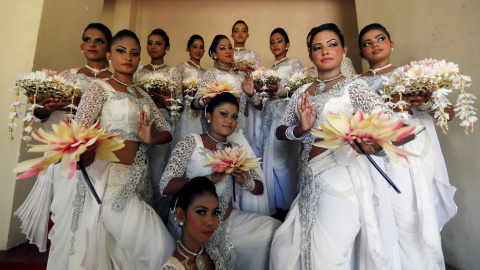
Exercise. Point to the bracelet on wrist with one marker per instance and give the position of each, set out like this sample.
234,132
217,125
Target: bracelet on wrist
290,134
425,107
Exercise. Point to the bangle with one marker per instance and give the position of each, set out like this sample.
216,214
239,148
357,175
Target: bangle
255,100
291,136
249,186
425,107
282,92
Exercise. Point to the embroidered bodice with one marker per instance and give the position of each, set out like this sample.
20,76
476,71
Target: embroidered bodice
83,80
250,56
118,109
376,82
188,72
174,264
284,69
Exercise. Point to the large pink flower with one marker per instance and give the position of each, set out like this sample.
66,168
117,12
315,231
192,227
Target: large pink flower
231,158
66,143
377,126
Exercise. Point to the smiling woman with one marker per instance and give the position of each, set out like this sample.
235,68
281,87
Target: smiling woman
125,223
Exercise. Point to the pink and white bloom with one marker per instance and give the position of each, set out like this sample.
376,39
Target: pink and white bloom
66,143
231,158
214,88
377,127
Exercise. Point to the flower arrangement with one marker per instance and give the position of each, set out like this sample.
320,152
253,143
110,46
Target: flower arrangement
214,88
231,158
264,76
441,77
41,85
65,144
241,64
190,88
299,78
377,127
160,82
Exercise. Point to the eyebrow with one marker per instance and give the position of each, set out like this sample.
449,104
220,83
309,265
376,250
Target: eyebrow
120,47
333,39
375,38
201,207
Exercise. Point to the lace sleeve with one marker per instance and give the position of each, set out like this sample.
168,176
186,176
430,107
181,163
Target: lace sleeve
258,60
289,118
208,77
177,76
296,64
177,165
91,104
363,98
347,68
160,124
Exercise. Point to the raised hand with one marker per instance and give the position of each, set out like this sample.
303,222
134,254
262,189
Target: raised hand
308,115
247,85
368,146
145,128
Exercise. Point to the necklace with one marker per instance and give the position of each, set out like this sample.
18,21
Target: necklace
376,70
229,70
130,88
238,48
195,65
321,84
279,61
199,261
219,145
155,67
96,71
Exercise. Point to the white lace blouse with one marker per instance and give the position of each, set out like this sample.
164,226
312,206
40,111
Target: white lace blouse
118,109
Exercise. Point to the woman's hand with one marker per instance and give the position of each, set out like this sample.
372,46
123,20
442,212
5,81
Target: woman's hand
162,98
88,157
419,98
273,88
368,146
307,113
240,176
247,85
218,177
145,128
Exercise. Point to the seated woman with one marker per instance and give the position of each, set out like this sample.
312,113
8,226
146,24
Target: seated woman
196,208
242,237
123,232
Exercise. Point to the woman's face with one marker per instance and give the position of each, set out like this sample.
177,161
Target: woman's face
201,219
327,51
223,119
196,50
278,45
224,52
94,46
125,55
156,46
240,33
376,46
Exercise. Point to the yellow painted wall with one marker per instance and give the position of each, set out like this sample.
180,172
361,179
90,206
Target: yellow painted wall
443,30
36,34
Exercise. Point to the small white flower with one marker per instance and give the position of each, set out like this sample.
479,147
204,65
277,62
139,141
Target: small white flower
28,129
16,103
12,125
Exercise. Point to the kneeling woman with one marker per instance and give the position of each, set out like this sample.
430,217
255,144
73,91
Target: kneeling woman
243,238
124,232
196,209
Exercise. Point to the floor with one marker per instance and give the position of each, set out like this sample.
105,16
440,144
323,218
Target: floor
25,256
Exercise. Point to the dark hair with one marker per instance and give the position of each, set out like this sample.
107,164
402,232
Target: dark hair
190,191
163,34
220,99
121,35
237,22
106,32
327,27
310,35
213,47
282,32
193,38
373,26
